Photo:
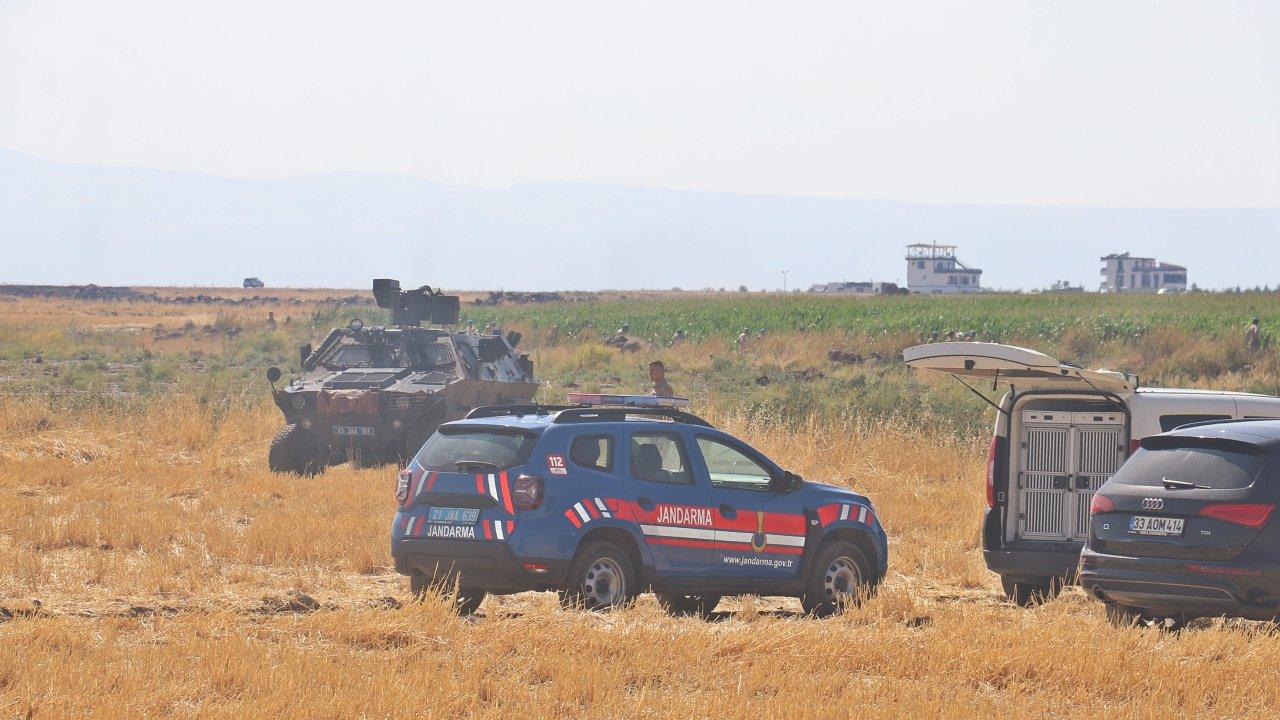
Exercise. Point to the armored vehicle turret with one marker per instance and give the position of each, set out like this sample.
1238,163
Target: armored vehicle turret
375,394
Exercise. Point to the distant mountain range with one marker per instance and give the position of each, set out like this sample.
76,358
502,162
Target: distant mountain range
66,223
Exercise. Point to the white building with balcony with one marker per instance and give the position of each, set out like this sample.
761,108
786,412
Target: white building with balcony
934,269
1122,272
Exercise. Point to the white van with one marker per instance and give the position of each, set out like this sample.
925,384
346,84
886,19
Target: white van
1071,429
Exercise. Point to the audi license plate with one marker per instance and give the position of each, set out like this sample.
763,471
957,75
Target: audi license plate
457,516
351,430
1161,526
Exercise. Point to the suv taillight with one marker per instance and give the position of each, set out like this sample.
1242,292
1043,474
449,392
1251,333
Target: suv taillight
1252,515
1101,504
402,486
992,449
527,493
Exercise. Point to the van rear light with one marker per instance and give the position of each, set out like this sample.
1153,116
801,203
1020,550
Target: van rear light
1134,444
402,486
527,492
992,449
1101,504
1253,515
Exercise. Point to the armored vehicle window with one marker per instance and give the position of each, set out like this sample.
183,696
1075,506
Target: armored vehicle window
594,452
350,356
731,468
659,457
432,354
1169,422
477,451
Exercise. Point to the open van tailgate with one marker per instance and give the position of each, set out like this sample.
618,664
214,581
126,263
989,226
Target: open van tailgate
1025,368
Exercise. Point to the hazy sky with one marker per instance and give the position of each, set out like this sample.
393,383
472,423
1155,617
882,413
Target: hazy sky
1109,103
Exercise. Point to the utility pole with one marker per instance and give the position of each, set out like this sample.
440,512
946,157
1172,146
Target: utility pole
784,280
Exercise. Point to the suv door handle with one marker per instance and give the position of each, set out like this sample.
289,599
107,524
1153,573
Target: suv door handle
646,503
728,510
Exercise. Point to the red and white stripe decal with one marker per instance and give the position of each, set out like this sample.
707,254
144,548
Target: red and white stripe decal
499,532
417,526
582,512
853,512
573,517
506,493
604,509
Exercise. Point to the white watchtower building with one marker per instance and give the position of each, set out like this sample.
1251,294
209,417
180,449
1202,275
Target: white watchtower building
933,269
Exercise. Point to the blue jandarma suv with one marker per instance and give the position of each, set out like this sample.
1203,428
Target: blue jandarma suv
602,503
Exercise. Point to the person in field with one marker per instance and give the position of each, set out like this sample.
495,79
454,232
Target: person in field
1253,335
658,374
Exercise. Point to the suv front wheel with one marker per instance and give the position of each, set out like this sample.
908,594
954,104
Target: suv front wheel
841,576
601,578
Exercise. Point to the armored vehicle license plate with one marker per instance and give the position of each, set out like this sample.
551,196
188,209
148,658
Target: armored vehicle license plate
452,515
1161,526
351,430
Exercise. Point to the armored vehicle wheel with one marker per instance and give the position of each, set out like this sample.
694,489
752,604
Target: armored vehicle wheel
601,578
841,576
685,605
1028,593
295,450
466,601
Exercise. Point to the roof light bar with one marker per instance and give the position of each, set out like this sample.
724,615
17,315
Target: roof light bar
627,400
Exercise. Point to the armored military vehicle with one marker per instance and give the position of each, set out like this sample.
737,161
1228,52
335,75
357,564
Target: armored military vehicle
375,394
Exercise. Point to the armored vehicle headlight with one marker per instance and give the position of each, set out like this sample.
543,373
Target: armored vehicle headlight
400,403
299,402
356,325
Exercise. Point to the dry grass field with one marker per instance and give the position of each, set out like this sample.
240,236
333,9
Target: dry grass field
150,566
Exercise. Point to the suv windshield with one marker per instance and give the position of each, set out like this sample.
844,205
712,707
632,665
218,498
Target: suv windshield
475,451
1207,467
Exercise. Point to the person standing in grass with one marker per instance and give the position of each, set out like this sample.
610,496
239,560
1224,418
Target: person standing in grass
1253,335
658,374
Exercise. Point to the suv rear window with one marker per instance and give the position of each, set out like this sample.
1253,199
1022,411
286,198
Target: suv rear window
1219,468
476,451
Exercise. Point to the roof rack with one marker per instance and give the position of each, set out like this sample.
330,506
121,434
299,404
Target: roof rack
586,413
595,413
487,411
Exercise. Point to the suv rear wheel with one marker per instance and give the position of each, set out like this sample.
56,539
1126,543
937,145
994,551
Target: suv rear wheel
295,450
601,578
685,605
466,601
841,576
1028,593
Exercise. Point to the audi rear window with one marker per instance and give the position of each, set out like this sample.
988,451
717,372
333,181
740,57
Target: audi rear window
1212,465
476,450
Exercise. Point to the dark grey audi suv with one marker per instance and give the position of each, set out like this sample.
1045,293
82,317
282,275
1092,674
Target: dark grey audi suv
1186,528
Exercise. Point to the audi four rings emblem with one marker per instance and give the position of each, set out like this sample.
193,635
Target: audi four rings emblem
1152,503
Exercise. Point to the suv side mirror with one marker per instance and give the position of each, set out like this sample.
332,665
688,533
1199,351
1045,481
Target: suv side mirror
786,482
